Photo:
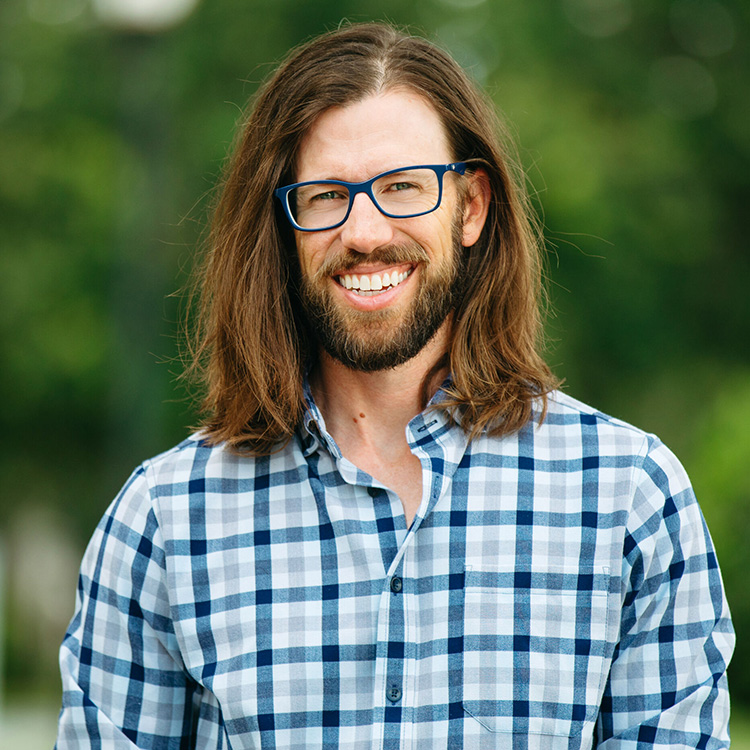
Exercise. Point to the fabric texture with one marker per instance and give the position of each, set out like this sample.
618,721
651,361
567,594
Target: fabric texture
557,589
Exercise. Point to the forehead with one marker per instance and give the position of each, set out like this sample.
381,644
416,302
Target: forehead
396,128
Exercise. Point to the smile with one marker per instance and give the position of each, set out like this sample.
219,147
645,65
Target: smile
370,284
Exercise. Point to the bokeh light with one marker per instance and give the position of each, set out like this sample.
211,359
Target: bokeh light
682,87
144,15
702,27
599,18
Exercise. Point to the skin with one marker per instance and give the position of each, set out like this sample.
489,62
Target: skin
367,413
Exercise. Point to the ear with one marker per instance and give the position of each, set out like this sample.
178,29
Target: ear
476,208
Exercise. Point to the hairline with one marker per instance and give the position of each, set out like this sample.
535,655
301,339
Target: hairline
383,89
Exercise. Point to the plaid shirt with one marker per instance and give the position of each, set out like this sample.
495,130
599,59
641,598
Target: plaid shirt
557,589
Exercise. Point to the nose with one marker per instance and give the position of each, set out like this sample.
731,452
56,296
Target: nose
366,229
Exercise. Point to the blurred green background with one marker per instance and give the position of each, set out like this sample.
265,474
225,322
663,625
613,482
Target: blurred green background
632,116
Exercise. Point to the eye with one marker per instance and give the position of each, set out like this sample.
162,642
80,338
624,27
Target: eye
327,195
318,196
402,186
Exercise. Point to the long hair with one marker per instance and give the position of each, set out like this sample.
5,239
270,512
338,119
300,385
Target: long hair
252,343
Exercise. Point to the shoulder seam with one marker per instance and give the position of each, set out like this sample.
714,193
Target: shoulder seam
572,404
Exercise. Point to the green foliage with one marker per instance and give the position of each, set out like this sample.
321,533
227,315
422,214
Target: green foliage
633,123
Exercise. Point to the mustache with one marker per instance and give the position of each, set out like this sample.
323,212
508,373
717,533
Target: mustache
389,255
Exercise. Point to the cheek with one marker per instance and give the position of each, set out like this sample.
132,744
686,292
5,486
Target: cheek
310,255
444,238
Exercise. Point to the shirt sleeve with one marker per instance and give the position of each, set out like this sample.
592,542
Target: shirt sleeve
124,683
667,686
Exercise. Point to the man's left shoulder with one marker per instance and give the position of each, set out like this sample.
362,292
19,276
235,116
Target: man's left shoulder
605,441
567,413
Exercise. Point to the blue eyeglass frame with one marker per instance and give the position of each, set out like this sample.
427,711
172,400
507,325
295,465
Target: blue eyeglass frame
354,188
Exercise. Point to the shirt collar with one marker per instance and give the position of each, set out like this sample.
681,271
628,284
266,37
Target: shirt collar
314,432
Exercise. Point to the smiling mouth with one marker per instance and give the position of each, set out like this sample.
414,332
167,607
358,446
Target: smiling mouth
370,284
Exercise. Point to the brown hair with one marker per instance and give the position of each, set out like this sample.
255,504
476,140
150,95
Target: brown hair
252,343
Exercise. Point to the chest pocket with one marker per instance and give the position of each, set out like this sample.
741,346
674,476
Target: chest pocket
535,653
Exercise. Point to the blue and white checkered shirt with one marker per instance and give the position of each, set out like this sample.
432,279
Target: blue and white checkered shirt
557,589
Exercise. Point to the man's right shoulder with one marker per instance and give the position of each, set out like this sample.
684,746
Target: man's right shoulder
196,458
194,470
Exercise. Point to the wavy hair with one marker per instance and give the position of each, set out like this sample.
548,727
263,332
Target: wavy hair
251,344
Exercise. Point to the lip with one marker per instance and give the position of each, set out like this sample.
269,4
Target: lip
377,301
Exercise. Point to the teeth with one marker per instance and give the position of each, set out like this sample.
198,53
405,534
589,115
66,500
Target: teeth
367,285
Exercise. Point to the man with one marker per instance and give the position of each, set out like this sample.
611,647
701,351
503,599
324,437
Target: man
391,532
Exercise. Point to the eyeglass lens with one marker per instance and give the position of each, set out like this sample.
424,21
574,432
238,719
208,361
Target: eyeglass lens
405,193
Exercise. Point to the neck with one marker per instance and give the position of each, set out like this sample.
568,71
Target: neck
375,407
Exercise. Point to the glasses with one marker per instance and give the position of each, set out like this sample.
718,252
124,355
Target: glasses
399,194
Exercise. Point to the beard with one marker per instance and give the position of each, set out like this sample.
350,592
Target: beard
386,338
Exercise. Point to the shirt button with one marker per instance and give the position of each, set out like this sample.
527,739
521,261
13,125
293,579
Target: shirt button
396,584
394,695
